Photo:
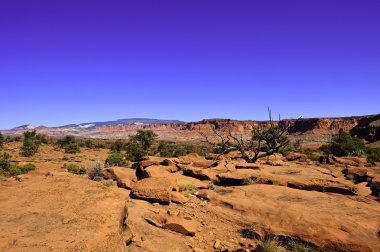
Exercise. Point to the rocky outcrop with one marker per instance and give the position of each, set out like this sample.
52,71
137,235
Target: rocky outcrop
154,190
313,129
124,177
314,217
174,222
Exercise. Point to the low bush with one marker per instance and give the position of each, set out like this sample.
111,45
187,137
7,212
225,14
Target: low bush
10,139
8,168
169,149
72,148
69,144
311,154
116,159
75,169
5,162
118,146
373,155
108,182
2,140
42,139
271,245
183,187
89,144
300,246
344,145
28,167
66,141
288,148
94,172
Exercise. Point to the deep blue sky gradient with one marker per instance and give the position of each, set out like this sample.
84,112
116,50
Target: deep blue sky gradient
71,61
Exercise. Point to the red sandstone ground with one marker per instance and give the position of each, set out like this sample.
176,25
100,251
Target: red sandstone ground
190,204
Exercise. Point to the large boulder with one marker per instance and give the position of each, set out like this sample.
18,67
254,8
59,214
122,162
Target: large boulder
315,217
180,224
291,156
189,159
310,179
177,178
63,212
200,173
352,161
178,198
275,160
154,189
242,165
175,222
124,177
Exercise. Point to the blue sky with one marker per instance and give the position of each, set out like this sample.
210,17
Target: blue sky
78,61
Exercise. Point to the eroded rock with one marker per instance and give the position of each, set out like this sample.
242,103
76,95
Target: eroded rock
154,189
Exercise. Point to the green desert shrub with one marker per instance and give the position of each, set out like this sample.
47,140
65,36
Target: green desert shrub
31,144
43,139
288,148
116,159
169,149
66,141
8,168
2,140
344,145
186,186
118,146
72,148
199,149
17,139
5,162
28,167
89,144
10,139
373,155
75,169
140,145
311,154
69,144
94,172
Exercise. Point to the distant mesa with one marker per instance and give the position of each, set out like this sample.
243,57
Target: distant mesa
311,131
121,122
93,125
26,126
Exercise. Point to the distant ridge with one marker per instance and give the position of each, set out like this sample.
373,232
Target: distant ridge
308,130
120,122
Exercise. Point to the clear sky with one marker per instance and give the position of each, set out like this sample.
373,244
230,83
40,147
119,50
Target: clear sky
72,61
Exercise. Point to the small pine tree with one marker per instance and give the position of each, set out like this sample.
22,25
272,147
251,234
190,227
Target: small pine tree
140,145
31,144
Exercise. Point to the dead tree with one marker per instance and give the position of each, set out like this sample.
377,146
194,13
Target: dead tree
219,140
263,141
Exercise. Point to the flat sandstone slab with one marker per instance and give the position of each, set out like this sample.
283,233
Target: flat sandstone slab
62,212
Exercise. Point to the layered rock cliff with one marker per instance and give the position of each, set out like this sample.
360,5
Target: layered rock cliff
308,130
